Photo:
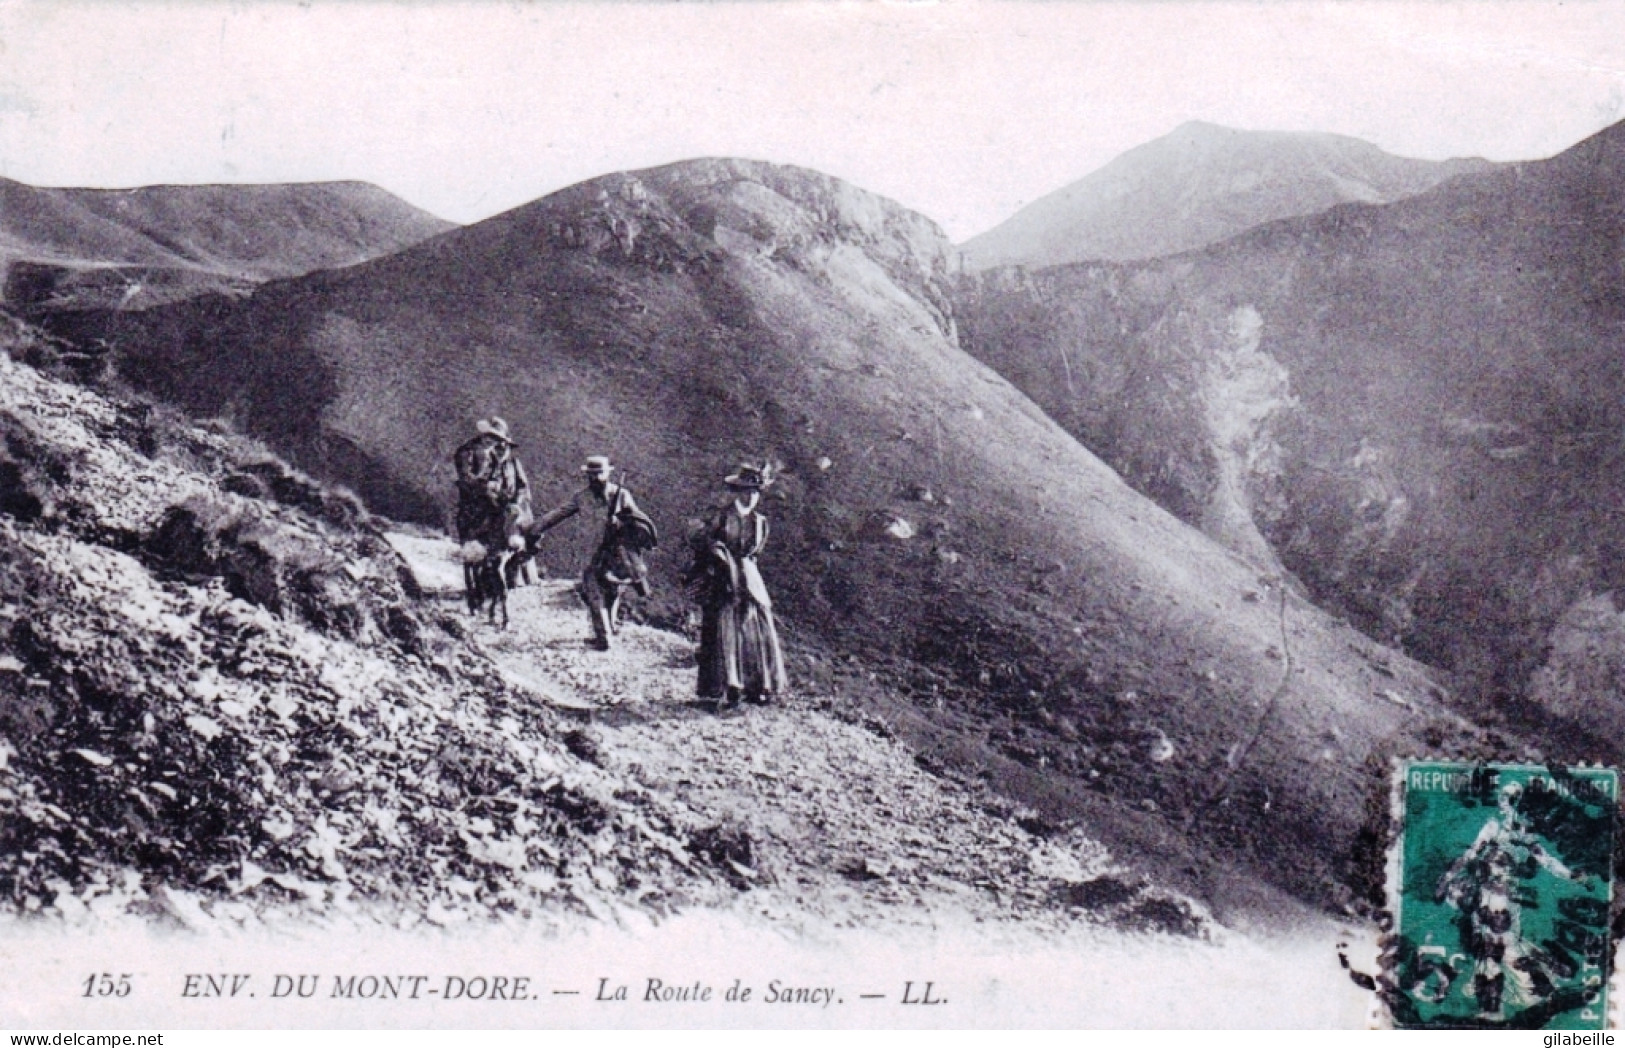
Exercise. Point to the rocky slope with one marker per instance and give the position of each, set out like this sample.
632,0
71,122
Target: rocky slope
226,699
1198,185
132,248
1051,629
1415,408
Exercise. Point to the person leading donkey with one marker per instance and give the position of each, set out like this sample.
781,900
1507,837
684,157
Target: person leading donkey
618,560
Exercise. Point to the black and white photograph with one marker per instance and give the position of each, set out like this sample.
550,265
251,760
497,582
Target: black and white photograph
797,514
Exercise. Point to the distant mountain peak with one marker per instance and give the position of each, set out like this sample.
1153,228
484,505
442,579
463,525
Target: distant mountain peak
1199,184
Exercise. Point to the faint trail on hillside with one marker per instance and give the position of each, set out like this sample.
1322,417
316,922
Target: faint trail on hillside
1223,788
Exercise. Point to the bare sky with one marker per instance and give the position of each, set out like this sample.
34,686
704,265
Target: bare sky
965,109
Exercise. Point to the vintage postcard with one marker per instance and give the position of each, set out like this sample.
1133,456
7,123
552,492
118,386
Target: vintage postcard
1502,896
810,514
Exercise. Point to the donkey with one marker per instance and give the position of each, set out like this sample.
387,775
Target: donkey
485,583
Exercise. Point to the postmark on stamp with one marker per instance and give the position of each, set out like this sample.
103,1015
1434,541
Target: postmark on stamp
1501,896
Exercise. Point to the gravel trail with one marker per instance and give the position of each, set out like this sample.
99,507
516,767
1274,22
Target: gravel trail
820,815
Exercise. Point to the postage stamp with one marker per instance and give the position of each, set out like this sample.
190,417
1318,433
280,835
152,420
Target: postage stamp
1501,896
634,514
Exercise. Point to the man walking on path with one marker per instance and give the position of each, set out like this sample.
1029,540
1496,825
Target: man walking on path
617,561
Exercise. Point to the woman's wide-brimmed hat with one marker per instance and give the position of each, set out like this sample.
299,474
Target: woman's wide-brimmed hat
495,427
598,466
750,478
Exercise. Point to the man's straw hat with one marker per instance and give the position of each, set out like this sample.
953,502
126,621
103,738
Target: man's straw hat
749,477
495,427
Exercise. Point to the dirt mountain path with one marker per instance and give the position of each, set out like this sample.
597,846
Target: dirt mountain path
822,814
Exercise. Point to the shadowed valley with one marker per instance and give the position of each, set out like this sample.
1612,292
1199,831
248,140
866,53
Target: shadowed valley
1415,408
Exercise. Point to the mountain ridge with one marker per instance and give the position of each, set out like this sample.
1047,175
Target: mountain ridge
70,248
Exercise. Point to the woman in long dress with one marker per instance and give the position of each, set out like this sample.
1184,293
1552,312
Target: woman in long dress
739,653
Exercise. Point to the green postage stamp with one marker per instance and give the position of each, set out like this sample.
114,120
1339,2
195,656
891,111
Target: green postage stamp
1501,896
